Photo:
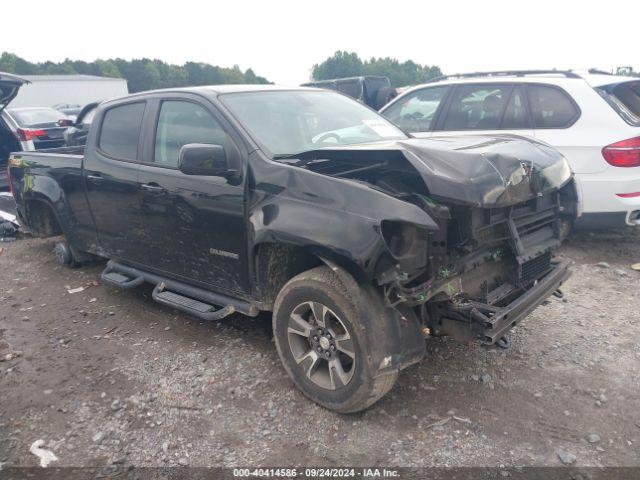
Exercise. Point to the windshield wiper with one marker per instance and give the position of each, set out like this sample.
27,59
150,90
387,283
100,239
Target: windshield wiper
296,160
284,156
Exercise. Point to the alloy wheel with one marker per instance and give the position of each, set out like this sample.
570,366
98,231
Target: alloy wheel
321,345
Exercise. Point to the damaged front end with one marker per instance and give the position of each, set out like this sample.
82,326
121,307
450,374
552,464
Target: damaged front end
488,268
499,205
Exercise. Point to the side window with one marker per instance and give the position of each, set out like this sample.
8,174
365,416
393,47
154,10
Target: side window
416,111
551,107
121,131
515,116
477,107
181,123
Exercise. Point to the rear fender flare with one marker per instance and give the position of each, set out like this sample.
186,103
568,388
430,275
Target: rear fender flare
47,191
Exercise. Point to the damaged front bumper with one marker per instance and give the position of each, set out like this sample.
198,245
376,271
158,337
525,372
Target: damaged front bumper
472,320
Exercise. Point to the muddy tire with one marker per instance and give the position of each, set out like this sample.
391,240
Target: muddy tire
322,345
566,225
63,254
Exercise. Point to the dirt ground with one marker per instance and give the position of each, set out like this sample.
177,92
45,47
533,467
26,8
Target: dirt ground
105,376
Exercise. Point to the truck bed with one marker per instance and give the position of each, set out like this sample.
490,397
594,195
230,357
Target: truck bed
57,171
44,163
77,151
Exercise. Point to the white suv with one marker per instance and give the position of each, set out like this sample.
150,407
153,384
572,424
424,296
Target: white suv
593,119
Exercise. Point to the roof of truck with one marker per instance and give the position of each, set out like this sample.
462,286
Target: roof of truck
222,89
213,90
252,88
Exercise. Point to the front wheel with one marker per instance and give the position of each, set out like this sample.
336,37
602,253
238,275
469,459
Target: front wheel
322,345
566,225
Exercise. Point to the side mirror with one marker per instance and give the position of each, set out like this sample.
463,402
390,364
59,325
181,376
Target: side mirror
204,159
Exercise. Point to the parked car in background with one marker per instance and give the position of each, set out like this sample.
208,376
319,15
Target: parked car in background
374,91
9,142
593,119
26,129
306,203
77,133
69,109
43,126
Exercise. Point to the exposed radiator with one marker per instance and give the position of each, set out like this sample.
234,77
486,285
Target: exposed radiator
535,268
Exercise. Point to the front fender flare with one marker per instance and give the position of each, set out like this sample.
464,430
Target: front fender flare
395,333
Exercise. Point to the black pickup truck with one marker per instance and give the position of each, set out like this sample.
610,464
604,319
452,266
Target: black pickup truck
304,202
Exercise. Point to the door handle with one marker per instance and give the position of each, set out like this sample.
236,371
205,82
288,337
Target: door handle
153,188
94,177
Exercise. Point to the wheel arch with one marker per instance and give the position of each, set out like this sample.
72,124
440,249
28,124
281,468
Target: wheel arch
43,220
394,333
275,263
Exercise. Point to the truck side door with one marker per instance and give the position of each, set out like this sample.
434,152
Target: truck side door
195,224
111,181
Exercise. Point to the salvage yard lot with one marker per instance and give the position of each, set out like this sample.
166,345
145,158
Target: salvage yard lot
107,376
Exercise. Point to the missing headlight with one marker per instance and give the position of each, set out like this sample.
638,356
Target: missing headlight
406,242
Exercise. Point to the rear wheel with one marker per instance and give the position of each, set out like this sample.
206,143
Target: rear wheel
63,254
320,341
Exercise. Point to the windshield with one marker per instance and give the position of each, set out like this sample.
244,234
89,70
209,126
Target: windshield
36,117
290,122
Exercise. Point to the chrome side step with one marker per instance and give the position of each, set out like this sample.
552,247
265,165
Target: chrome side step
189,305
196,301
113,278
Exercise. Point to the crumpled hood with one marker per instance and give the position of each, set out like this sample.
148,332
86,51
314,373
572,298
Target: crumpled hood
490,171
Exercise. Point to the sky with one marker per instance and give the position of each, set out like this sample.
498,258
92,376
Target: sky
281,40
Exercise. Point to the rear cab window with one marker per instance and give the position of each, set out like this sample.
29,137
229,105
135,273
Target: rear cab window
416,112
120,132
624,98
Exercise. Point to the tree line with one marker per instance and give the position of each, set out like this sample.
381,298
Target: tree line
149,74
349,64
141,74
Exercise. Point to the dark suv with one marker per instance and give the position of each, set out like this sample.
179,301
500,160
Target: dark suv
374,91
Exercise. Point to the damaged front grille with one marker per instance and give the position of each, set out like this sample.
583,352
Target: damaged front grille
534,232
521,237
503,263
535,268
486,255
529,227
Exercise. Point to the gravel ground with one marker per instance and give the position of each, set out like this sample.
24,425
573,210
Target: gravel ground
105,376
